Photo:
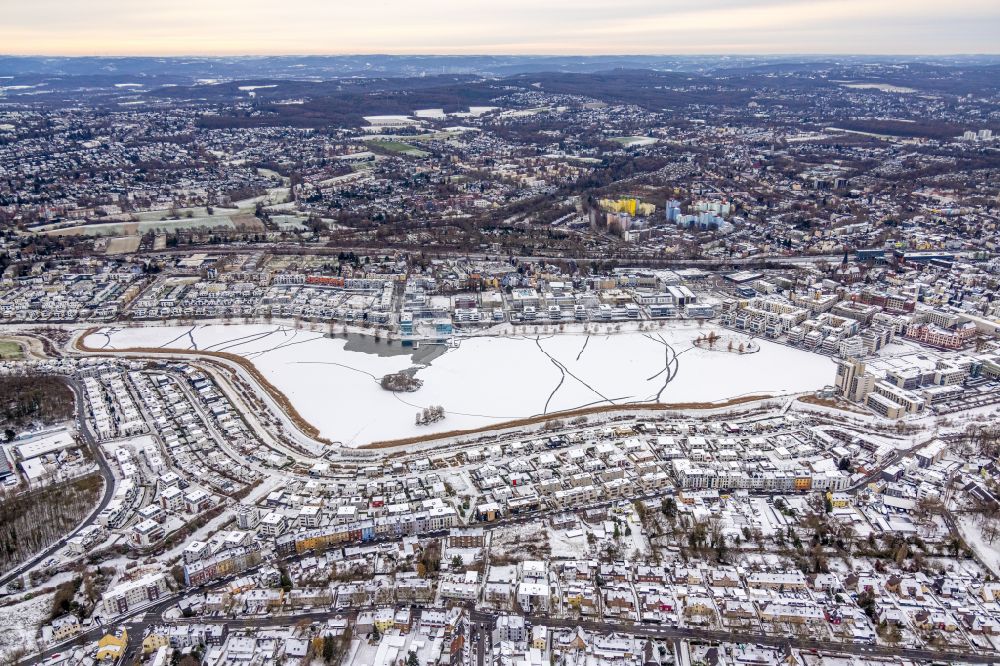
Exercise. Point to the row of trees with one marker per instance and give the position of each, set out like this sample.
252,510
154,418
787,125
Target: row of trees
430,415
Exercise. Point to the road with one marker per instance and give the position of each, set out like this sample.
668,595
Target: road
667,633
105,471
626,258
719,635
480,619
154,615
211,366
891,460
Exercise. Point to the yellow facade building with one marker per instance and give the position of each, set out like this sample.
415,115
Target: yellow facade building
112,646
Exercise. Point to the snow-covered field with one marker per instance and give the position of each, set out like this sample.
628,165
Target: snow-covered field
487,379
985,549
568,544
19,625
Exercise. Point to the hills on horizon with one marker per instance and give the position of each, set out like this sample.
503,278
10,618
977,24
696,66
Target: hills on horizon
314,67
338,89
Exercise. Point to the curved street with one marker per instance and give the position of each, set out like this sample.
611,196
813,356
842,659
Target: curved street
105,472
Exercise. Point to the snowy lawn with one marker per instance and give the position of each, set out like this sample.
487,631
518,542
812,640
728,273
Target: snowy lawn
568,544
19,624
987,550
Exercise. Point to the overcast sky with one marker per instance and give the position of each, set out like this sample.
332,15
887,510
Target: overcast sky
222,27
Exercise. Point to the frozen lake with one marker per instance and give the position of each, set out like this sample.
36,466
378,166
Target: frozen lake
486,380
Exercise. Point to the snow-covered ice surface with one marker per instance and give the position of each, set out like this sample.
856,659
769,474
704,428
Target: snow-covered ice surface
487,380
19,624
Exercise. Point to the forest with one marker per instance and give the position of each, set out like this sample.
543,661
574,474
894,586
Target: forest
33,399
32,521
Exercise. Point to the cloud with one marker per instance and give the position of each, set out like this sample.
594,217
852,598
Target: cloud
499,26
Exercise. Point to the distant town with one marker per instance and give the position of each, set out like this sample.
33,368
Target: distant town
490,362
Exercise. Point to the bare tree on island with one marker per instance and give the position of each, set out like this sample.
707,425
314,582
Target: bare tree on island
430,415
